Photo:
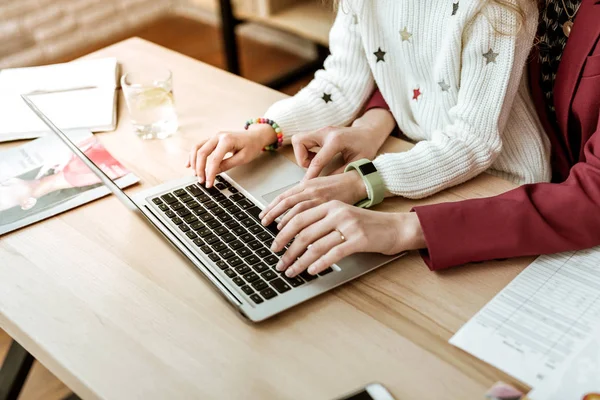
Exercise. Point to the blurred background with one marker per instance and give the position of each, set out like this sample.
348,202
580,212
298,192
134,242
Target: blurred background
279,43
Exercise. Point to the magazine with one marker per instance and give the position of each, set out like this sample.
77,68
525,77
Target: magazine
43,178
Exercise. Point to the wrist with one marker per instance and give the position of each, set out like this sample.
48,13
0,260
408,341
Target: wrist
379,122
409,232
358,186
263,133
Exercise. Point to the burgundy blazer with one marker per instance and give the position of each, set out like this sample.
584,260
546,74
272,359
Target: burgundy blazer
546,217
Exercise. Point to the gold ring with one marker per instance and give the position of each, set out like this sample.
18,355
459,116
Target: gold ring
341,235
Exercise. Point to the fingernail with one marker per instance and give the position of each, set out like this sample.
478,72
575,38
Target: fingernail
274,246
261,215
279,266
312,270
290,272
279,226
264,222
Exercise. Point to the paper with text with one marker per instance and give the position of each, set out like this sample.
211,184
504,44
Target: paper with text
535,323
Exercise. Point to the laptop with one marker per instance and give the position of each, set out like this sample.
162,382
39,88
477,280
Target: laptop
218,230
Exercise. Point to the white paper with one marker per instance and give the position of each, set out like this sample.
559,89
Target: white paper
86,98
533,325
577,378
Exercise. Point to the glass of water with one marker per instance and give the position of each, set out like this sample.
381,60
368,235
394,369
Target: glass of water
149,98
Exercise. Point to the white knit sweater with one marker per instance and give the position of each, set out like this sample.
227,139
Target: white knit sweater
452,81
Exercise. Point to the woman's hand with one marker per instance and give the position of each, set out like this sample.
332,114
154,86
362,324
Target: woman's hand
334,230
361,140
207,158
347,187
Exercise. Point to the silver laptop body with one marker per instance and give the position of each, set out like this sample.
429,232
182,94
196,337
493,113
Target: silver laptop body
258,183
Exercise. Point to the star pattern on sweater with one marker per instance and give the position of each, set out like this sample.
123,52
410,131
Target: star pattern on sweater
380,54
326,97
443,85
490,56
455,8
416,94
405,35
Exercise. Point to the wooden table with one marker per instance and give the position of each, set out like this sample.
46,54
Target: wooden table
115,313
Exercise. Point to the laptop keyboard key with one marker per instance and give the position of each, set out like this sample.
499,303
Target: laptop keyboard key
325,272
228,237
255,244
232,225
163,207
214,257
242,269
218,211
206,249
169,198
243,252
268,242
200,211
224,217
226,253
255,229
213,224
204,232
190,219
212,191
247,289
192,235
222,264
219,246
220,231
245,204
256,298
262,252
170,214
237,197
234,261
308,277
252,259
157,200
177,221
233,209
254,211
259,285
226,203
194,190
240,215
211,239
280,285
176,206
239,281
199,242
248,223
268,293
183,212
232,189
236,244
260,267
271,260
264,236
251,277
205,217
294,282
203,198
238,230
186,198
247,238
179,192
230,273
210,204
268,275
220,186
193,204
184,228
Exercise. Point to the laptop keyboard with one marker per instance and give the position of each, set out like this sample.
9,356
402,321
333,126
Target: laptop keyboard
224,225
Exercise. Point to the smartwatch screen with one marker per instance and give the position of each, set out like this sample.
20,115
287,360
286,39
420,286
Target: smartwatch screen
367,169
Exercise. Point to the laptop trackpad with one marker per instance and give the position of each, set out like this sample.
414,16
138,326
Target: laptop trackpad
269,197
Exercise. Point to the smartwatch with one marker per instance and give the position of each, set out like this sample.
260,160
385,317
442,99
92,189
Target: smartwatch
372,180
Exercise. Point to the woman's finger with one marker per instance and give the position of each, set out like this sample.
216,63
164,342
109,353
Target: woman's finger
238,158
284,205
302,145
305,238
298,223
297,209
214,161
192,155
202,155
288,193
320,161
333,256
314,252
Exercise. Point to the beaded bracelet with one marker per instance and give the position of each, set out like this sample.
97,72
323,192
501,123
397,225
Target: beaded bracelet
275,145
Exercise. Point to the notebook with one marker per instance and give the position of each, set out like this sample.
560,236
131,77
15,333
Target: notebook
75,95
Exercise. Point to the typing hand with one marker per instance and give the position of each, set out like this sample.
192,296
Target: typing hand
208,158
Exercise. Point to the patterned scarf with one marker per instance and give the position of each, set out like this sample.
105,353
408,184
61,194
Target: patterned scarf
552,42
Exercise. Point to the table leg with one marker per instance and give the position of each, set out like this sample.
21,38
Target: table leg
14,371
228,24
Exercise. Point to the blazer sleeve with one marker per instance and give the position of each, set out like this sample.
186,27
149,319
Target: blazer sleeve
533,219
